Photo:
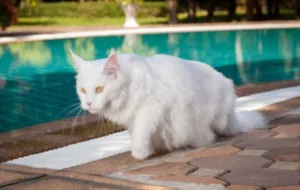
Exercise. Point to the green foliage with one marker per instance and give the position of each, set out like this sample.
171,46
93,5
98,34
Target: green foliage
90,10
130,1
31,2
7,13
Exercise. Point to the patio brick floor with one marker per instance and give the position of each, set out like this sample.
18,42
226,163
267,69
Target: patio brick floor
265,159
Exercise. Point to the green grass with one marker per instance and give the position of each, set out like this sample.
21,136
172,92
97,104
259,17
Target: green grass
96,9
103,21
56,21
219,16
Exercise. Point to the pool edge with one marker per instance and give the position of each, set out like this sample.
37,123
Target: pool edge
155,30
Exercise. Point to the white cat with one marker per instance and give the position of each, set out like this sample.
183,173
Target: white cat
165,102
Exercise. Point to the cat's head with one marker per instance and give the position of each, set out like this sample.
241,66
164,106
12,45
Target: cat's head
98,83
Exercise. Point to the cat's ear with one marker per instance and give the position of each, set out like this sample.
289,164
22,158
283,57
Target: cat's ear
78,61
112,66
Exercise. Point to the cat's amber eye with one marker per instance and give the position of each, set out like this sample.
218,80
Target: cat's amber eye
99,89
83,90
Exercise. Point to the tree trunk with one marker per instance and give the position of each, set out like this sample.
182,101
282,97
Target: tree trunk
273,9
231,10
192,10
130,10
297,7
258,7
172,5
252,5
210,10
17,3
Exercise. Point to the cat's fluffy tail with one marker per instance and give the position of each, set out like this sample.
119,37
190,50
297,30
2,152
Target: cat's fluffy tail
244,121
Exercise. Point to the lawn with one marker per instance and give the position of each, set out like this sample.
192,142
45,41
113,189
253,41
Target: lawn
110,21
67,21
110,14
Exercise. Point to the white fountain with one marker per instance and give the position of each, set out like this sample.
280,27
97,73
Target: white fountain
130,10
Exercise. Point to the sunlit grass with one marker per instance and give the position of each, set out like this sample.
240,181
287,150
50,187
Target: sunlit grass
104,21
219,16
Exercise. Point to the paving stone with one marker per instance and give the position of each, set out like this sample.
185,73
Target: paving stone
7,177
165,169
147,179
192,179
286,165
294,187
248,89
243,187
287,135
106,165
62,183
250,152
268,143
209,172
295,112
22,169
262,177
141,165
288,129
284,154
179,159
108,180
274,110
214,151
254,134
231,162
286,120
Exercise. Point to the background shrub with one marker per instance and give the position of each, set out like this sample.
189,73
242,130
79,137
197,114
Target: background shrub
90,9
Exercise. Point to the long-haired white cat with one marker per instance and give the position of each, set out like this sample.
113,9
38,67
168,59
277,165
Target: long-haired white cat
165,102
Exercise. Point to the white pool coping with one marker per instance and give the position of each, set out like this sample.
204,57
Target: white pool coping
116,143
153,30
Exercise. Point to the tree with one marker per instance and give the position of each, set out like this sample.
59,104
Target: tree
8,14
251,7
172,5
297,5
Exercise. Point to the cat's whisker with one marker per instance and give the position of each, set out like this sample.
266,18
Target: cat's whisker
70,112
99,117
70,118
70,107
66,121
84,118
75,120
74,123
103,122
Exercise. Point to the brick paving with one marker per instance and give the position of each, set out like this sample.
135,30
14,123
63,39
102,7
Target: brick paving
267,159
47,136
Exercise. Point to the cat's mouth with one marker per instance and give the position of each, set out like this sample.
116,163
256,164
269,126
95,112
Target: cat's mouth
93,111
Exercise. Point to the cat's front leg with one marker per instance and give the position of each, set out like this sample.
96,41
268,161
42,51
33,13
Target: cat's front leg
141,135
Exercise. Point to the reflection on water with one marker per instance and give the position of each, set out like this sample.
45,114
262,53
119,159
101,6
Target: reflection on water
37,78
81,46
35,53
133,44
2,82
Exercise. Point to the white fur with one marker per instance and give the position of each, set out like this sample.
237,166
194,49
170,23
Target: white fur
165,102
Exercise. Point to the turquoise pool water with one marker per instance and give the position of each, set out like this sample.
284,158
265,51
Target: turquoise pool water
37,80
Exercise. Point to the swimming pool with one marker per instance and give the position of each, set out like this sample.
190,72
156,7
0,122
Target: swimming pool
37,82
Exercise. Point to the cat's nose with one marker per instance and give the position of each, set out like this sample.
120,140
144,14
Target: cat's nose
89,103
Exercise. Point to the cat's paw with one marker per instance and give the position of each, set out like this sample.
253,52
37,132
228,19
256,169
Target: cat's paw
141,153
